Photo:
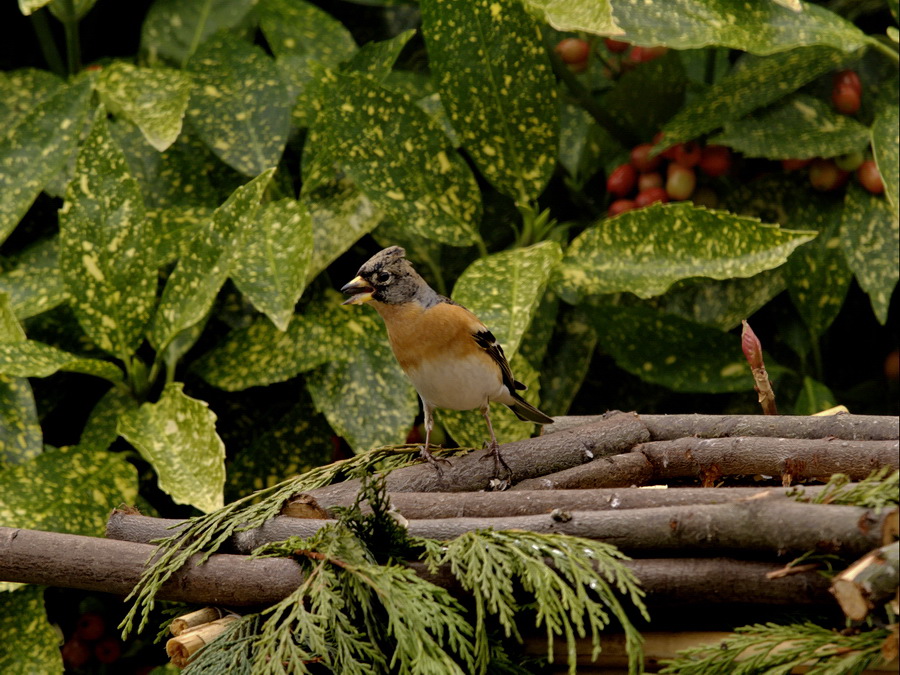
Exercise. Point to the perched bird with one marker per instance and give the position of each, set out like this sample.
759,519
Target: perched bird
451,357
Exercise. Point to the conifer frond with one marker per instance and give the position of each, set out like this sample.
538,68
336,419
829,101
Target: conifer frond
574,593
878,490
776,649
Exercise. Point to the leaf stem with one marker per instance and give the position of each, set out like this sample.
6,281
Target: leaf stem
482,248
73,40
885,49
47,44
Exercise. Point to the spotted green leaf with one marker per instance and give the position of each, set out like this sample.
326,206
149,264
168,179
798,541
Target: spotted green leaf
272,265
505,289
468,428
490,68
817,273
20,91
155,99
398,157
869,234
645,98
722,304
20,430
100,429
674,352
341,215
200,273
801,127
24,623
37,149
646,251
174,230
594,16
886,147
584,145
174,29
814,397
756,27
375,59
295,27
177,436
32,280
239,106
365,397
759,82
565,367
298,441
36,359
66,490
261,354
103,238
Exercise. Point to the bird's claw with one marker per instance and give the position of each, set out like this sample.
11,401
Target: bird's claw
434,461
493,451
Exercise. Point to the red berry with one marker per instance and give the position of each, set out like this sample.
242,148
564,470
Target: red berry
869,177
90,626
649,180
574,51
650,196
849,162
641,159
668,153
848,79
108,650
621,180
715,160
892,366
615,46
75,653
846,100
824,175
687,154
794,164
645,54
681,182
620,206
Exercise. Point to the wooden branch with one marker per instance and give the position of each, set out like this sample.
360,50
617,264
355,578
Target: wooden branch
93,564
710,458
773,526
604,472
520,502
670,427
186,622
181,648
528,458
869,582
109,566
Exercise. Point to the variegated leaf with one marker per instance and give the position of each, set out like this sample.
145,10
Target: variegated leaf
886,146
30,358
32,279
239,106
155,99
177,436
646,251
22,90
24,622
103,247
496,84
564,369
271,268
20,430
591,16
38,148
100,429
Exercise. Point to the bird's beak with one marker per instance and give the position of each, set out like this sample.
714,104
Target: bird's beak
358,290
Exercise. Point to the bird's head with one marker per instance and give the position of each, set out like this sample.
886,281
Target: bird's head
387,277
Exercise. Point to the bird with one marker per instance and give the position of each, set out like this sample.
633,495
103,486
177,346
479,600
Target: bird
449,355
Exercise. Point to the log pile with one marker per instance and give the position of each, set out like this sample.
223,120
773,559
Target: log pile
720,543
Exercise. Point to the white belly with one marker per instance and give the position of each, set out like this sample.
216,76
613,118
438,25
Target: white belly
462,384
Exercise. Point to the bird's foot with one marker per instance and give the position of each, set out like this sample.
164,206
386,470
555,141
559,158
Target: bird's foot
500,482
436,462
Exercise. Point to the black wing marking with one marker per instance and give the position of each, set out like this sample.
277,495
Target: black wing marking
488,343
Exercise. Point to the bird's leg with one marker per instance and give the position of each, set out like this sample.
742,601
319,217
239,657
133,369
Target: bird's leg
494,447
424,451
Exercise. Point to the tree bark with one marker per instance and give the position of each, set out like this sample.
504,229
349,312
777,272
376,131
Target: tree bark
770,526
669,427
415,505
869,582
604,472
528,458
110,566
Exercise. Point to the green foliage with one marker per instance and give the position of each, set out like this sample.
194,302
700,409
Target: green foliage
876,491
775,648
22,614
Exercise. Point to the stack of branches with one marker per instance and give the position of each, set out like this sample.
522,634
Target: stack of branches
739,533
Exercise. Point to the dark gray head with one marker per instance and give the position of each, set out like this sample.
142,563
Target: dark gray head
390,278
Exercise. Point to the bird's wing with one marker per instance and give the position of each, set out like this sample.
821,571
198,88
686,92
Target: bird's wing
488,343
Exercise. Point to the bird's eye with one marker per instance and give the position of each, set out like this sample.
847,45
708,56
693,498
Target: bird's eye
383,277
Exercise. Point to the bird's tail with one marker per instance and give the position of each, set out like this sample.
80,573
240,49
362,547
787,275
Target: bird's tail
527,412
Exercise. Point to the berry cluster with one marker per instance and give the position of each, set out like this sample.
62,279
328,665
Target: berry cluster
575,53
90,641
846,92
832,174
646,178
